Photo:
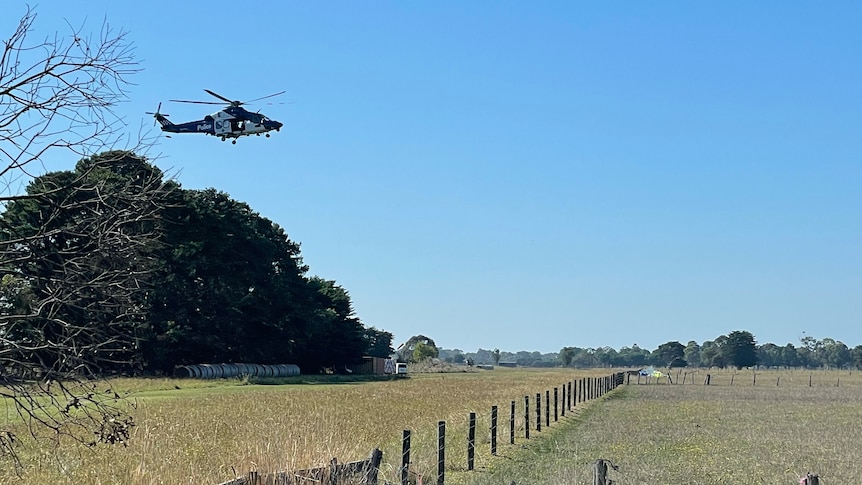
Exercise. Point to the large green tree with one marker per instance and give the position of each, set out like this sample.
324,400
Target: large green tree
78,250
334,335
231,286
378,342
208,279
670,354
566,355
740,349
405,350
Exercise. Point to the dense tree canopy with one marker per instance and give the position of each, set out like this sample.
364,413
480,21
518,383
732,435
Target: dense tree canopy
739,349
405,351
215,282
77,253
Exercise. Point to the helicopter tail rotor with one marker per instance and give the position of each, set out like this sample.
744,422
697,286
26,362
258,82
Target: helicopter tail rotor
159,117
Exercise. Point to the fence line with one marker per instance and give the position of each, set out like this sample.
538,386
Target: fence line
588,389
760,377
366,471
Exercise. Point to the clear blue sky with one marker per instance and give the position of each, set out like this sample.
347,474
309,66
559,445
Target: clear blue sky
533,175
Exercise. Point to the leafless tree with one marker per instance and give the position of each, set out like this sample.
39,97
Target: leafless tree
73,261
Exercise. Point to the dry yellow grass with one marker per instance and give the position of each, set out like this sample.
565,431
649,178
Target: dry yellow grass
206,433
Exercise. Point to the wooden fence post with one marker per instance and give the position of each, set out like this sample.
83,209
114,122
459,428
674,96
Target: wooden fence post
569,403
512,425
706,380
405,457
333,472
600,469
493,430
527,417
538,411
373,467
441,452
556,405
563,402
471,442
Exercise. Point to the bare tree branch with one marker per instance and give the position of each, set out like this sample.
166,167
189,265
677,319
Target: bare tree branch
74,246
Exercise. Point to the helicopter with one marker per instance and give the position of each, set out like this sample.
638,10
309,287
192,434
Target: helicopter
233,121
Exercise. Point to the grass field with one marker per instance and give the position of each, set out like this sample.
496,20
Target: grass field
206,432
696,434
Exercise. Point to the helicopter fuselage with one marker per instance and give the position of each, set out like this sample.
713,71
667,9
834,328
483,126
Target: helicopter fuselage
231,122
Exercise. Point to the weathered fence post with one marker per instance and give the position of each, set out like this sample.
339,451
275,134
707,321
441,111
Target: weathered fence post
777,381
731,378
493,430
471,442
556,404
405,457
373,467
253,478
512,425
441,452
538,411
547,408
333,472
563,403
600,469
809,380
527,417
569,403
706,380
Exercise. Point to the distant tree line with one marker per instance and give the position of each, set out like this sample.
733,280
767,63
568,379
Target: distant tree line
213,282
736,349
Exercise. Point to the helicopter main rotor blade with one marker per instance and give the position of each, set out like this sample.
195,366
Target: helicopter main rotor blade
271,95
193,102
223,98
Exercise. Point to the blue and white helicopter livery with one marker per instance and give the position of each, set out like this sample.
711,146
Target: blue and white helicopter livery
232,122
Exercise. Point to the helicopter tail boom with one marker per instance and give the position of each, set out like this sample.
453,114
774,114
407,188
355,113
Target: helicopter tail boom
166,123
